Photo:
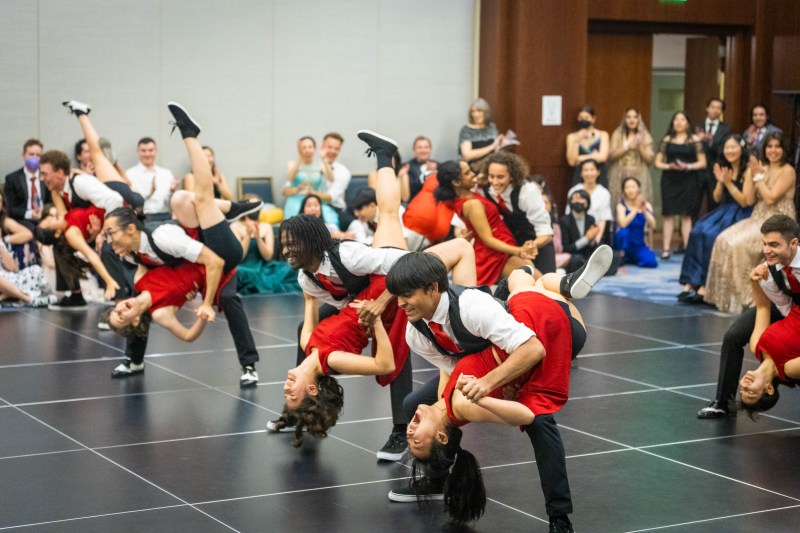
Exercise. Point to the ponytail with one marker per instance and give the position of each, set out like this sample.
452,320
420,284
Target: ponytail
447,173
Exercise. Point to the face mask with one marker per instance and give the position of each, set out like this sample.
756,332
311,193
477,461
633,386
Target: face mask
578,207
32,163
584,123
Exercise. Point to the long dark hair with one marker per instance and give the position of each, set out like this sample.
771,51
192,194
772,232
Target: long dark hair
447,173
774,136
464,493
305,201
316,414
671,128
723,161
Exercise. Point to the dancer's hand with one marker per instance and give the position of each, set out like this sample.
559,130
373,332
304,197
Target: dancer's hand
529,250
110,290
206,312
759,273
368,310
475,389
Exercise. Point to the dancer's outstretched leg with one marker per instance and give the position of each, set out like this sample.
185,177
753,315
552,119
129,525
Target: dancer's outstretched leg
104,169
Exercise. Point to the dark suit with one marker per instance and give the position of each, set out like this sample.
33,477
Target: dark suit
713,151
570,234
16,195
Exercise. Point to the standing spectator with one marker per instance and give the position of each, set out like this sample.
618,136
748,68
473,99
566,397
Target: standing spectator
25,192
521,205
305,177
578,230
479,137
713,134
587,143
412,174
600,207
681,157
156,184
760,125
735,195
630,155
221,187
634,214
738,249
329,152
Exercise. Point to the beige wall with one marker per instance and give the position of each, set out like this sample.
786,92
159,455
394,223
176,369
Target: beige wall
256,74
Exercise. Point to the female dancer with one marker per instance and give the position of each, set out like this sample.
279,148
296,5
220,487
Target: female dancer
496,250
735,194
304,177
634,214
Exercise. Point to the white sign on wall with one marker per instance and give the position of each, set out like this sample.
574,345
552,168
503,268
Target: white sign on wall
551,110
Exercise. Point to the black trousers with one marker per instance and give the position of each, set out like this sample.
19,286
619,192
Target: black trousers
545,260
123,273
732,355
398,389
238,324
552,464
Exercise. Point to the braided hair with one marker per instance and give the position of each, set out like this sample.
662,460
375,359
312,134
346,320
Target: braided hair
308,235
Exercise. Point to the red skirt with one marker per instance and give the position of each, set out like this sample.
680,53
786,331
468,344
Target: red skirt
79,218
781,341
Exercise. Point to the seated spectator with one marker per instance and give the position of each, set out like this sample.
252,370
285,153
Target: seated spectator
479,137
259,273
156,184
312,205
562,257
413,173
634,214
521,206
19,239
760,125
25,192
365,207
221,187
579,231
587,143
600,207
21,280
739,248
306,177
735,195
630,154
425,220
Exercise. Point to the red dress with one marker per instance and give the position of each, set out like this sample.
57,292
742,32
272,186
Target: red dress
79,218
169,286
426,216
342,332
781,341
545,388
488,263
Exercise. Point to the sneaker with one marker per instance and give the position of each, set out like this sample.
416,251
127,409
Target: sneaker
73,302
240,209
43,300
560,524
77,108
713,410
187,126
249,377
425,488
395,447
378,142
579,283
127,368
103,325
108,151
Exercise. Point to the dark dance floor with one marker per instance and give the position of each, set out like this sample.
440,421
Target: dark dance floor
182,448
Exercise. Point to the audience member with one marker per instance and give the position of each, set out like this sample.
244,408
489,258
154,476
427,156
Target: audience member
680,157
365,207
579,231
221,187
329,151
634,214
25,193
521,206
630,155
713,134
306,177
738,248
412,174
496,252
26,285
479,137
312,205
735,195
587,143
156,184
760,125
600,207
83,157
18,238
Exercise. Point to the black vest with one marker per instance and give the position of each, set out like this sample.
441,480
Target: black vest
76,202
354,284
517,220
468,342
169,260
777,276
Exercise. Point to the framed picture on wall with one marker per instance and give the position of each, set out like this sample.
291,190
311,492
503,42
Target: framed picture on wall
260,186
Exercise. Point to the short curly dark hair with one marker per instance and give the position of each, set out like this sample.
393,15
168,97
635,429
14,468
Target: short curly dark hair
517,167
316,414
140,330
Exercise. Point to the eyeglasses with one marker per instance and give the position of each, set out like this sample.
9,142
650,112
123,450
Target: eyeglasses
108,235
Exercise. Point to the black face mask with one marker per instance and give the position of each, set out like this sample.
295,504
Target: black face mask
577,207
584,123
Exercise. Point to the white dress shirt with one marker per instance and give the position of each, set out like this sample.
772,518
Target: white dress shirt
482,316
601,202
142,180
532,203
94,191
337,188
781,300
172,240
360,260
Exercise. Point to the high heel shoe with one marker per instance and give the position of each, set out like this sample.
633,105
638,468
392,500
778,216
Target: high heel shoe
666,255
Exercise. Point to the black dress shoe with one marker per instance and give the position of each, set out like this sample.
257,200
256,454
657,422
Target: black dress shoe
687,295
697,299
714,410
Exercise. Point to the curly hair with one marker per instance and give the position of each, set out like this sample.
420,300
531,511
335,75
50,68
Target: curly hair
464,492
129,330
517,167
765,403
316,414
